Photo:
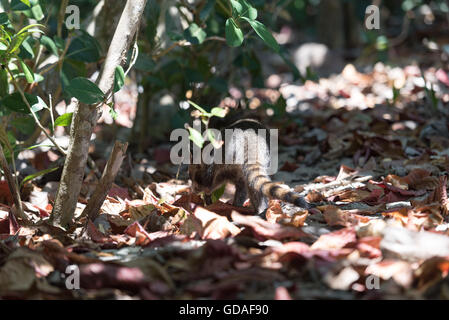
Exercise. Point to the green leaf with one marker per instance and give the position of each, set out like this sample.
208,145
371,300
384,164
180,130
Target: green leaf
59,42
264,34
37,12
237,8
72,69
382,43
211,137
24,124
28,27
396,93
144,63
20,37
27,2
4,18
38,77
26,49
4,87
84,48
14,102
218,112
37,174
16,42
217,194
18,5
248,11
39,146
194,34
65,120
196,137
85,91
234,35
48,43
119,79
29,75
113,113
203,112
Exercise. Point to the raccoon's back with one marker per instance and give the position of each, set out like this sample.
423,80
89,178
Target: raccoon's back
246,143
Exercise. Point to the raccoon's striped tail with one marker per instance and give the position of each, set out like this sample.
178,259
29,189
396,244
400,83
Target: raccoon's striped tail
262,182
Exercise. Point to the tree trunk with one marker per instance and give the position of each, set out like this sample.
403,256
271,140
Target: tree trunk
85,117
330,24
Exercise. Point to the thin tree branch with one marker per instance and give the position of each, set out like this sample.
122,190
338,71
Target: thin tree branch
12,183
104,185
61,16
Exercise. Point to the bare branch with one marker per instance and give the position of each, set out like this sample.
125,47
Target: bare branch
12,183
61,16
110,172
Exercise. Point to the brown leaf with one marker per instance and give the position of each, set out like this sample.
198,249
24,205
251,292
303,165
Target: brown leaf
4,226
275,214
403,192
400,214
352,195
215,226
397,181
266,230
95,234
102,275
345,173
442,76
143,238
282,294
336,240
289,167
163,206
315,196
21,270
118,192
274,211
400,271
341,280
441,195
5,193
431,271
369,247
189,202
417,179
334,216
226,209
301,252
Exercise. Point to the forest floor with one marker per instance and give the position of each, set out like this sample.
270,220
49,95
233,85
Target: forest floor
379,157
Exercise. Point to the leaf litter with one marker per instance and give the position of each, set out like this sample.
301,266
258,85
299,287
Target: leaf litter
377,167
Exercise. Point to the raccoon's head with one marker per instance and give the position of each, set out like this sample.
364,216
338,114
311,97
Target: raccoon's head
202,178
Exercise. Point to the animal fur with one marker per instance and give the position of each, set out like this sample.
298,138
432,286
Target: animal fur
250,177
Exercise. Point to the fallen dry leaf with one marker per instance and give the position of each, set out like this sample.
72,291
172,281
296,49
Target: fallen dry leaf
267,230
336,240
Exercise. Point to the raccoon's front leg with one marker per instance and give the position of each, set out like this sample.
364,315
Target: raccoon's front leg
241,194
208,199
258,201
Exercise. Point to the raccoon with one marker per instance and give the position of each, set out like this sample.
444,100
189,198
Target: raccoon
249,176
